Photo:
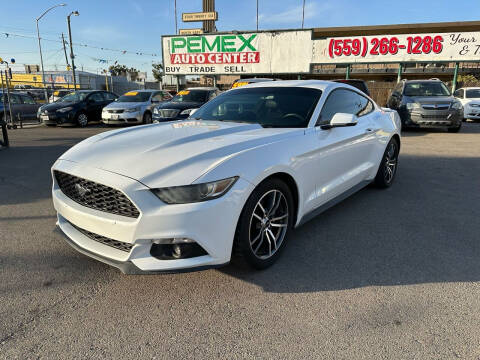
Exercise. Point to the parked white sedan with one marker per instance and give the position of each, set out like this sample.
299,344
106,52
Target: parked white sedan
234,178
470,99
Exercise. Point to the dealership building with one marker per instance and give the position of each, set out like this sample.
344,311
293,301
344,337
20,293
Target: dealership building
381,55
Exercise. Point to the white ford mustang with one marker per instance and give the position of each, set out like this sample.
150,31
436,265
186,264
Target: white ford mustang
234,178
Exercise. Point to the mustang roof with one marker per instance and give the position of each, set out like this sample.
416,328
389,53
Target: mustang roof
315,84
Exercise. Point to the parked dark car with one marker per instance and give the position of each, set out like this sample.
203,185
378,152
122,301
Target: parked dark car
77,108
183,103
23,106
356,83
426,103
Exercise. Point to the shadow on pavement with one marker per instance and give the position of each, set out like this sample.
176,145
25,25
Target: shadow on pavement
424,229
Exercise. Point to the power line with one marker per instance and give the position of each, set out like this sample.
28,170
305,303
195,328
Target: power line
139,53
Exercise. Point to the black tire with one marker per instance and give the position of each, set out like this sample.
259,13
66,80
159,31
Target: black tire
388,165
82,119
249,226
147,118
454,129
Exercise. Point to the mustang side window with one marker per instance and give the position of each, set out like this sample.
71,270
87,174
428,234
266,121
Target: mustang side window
344,101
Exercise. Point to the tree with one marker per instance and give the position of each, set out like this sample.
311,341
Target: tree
122,70
157,70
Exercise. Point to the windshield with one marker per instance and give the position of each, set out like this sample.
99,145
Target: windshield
472,94
74,97
135,96
280,107
191,95
426,89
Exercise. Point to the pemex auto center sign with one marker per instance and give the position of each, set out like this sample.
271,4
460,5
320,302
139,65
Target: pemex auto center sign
261,53
294,51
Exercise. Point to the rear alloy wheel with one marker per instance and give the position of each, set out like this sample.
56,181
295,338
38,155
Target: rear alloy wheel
147,118
388,166
82,119
264,224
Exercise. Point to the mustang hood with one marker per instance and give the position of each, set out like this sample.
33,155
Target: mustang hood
172,154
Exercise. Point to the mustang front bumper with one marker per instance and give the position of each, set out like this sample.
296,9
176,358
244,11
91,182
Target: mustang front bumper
211,224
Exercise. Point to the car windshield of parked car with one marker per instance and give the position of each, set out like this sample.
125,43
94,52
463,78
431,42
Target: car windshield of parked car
279,107
74,97
426,89
135,96
472,94
191,95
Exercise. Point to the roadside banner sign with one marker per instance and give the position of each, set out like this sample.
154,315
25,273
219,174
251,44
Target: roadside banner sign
240,53
296,51
199,16
399,48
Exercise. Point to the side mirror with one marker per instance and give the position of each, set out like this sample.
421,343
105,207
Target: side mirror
341,120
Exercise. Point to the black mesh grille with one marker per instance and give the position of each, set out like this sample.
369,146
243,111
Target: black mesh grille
95,196
120,245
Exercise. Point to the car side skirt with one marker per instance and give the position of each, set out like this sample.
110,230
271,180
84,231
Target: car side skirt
310,215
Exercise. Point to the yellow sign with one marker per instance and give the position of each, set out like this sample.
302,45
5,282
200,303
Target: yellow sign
183,92
190,31
201,16
240,83
131,93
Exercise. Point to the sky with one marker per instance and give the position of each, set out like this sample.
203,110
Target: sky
136,26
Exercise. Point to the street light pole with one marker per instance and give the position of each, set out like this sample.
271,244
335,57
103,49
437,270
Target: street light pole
40,47
76,13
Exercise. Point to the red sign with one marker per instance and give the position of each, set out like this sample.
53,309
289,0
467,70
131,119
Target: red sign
386,45
216,58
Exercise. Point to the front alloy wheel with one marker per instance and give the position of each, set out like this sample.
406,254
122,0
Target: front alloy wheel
264,224
268,224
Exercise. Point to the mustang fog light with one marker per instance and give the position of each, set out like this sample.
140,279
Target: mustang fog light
176,248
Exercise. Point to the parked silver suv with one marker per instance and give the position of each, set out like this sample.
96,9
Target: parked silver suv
134,107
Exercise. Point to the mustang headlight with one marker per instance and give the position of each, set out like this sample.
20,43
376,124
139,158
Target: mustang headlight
413,105
195,193
134,109
186,112
155,111
65,109
457,105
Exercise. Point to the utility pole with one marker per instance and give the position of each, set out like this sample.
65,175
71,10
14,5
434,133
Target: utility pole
257,15
303,13
176,26
76,13
66,58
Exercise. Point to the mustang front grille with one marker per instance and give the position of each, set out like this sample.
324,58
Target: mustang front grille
95,196
119,245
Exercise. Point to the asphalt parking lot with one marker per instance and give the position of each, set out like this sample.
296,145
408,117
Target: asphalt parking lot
388,274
